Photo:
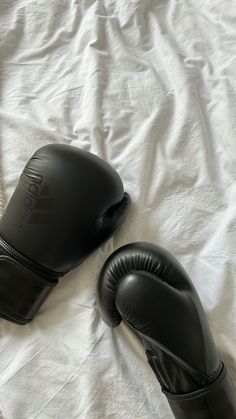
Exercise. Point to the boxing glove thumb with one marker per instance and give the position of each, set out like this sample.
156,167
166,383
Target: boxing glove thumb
115,216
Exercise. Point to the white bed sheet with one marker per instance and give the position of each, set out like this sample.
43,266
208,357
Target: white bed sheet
149,86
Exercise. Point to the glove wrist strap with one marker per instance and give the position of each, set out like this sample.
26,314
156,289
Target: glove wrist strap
216,401
22,291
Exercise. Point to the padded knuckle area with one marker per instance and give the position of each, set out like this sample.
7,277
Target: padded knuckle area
133,258
127,259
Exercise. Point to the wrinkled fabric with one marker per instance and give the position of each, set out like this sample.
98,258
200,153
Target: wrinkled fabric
150,87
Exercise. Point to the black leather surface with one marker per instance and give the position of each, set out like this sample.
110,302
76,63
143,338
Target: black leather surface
67,202
146,286
216,401
21,291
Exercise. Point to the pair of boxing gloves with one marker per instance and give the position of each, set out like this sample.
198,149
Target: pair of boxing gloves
66,204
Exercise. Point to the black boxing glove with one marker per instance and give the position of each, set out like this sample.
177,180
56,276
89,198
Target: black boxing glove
146,286
67,203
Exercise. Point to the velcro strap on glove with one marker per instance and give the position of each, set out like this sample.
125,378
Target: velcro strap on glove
22,291
216,401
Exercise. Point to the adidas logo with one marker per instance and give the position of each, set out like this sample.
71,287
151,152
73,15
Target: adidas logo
37,206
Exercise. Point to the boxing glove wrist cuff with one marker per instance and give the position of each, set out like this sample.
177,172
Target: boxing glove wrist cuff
214,401
6,248
22,291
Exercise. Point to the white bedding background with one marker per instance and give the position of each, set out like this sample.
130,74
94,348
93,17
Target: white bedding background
150,86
